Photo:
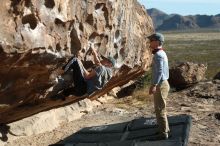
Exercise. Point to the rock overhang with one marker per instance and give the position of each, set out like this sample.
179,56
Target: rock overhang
37,38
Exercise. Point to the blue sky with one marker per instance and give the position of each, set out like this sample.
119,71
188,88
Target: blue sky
184,7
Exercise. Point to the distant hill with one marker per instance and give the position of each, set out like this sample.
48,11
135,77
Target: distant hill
157,16
163,21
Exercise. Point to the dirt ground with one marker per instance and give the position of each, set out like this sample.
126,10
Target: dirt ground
205,130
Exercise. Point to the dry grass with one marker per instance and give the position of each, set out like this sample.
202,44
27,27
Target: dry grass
195,36
140,98
197,47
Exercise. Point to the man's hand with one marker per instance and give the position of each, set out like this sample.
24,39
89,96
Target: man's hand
152,89
95,55
89,75
92,50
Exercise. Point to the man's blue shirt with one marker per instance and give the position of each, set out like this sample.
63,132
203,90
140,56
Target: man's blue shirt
103,75
160,67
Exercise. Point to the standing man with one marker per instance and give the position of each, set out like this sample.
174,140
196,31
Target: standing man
160,86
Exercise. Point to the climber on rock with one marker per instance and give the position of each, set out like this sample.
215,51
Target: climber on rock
77,80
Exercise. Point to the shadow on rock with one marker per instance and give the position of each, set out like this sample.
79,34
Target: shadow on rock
4,130
217,116
67,92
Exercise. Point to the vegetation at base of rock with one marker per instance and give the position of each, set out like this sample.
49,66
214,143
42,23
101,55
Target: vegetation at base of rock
145,80
138,99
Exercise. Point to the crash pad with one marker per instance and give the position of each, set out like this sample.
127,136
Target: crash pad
138,132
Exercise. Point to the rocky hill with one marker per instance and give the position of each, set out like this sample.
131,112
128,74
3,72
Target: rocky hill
157,16
163,21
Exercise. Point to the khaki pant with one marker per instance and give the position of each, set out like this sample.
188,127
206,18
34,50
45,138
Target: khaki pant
160,106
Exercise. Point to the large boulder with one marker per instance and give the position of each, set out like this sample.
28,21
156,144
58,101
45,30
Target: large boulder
38,36
186,74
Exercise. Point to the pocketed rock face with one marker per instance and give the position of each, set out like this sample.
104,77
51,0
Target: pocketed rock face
38,36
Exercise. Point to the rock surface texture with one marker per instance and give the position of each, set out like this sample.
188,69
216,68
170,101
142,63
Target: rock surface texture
38,36
186,74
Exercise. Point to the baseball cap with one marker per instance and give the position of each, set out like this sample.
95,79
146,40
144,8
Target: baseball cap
157,37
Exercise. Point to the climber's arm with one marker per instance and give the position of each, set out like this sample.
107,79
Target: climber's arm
89,74
96,58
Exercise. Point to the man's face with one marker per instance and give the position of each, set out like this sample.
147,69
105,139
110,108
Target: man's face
154,44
